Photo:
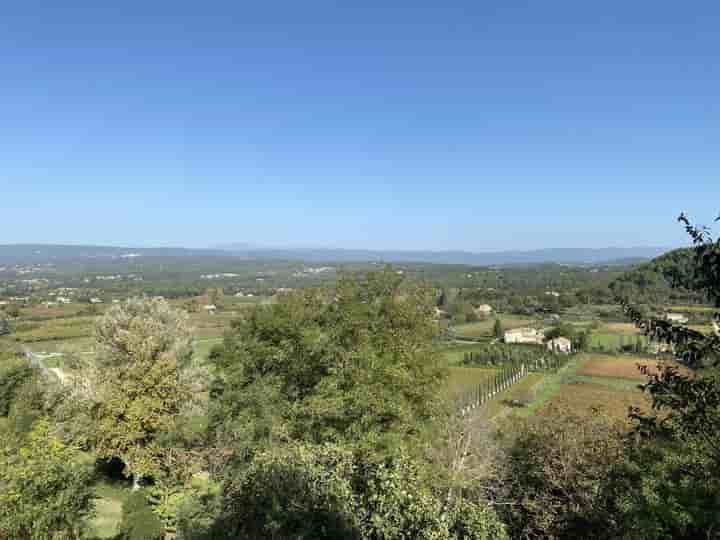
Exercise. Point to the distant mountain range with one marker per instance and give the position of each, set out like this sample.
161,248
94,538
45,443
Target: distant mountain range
551,255
48,253
39,253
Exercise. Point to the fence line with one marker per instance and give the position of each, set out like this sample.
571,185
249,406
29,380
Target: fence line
511,373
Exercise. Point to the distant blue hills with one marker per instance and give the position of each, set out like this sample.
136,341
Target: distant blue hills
38,253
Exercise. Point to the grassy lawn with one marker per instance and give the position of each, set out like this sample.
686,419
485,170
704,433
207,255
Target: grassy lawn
202,348
549,385
108,508
464,379
522,391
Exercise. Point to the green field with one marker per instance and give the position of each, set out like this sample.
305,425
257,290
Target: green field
571,389
53,329
485,328
613,342
202,348
524,391
108,508
464,379
455,352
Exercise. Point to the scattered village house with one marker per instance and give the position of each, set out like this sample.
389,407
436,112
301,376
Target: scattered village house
524,335
560,344
210,308
483,310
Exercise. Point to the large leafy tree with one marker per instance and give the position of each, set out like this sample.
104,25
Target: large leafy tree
319,399
137,383
45,491
354,365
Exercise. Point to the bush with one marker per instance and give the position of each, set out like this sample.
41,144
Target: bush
297,492
45,489
308,491
14,373
555,473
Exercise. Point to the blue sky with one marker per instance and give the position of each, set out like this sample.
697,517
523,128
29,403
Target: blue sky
403,125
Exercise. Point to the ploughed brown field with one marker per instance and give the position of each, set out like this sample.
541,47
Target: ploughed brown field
589,398
623,367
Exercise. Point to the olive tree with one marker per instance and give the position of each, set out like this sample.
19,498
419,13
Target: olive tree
136,382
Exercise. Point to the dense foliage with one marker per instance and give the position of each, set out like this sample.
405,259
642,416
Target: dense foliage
135,384
324,400
679,460
44,489
353,365
14,373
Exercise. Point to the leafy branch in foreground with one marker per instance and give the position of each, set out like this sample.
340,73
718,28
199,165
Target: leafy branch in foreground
686,402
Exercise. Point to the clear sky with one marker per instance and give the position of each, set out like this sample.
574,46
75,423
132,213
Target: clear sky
377,124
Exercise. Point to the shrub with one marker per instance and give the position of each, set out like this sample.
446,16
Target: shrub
554,475
14,372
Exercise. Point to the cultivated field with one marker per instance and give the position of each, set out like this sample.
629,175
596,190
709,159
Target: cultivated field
591,398
624,367
465,379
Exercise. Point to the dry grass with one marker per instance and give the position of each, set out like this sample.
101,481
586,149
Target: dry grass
619,328
623,367
588,398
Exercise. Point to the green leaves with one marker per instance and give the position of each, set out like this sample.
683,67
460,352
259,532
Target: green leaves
351,364
327,491
137,383
44,491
